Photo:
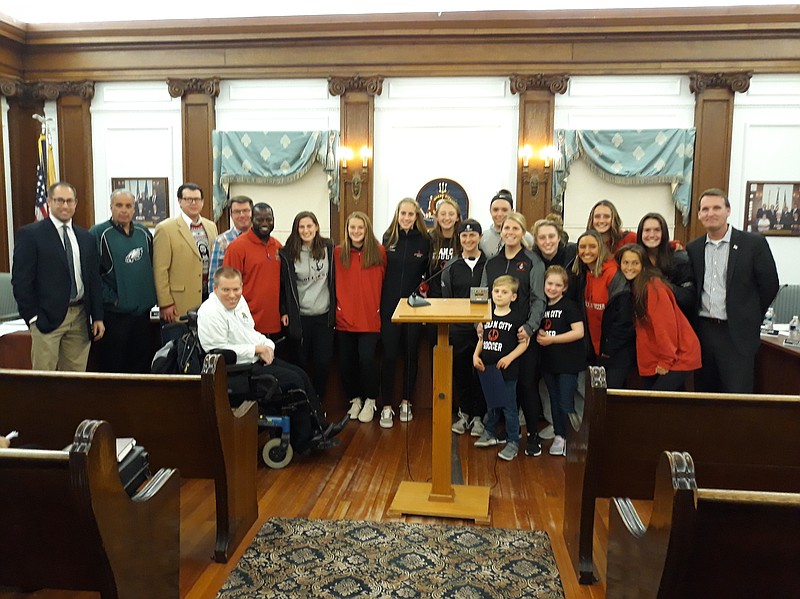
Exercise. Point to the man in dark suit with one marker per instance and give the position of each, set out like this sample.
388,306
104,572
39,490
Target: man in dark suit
737,281
57,285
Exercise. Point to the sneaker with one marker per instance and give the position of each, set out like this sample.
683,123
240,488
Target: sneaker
387,414
509,452
522,419
476,426
461,425
559,446
547,432
488,440
534,447
405,412
368,411
355,408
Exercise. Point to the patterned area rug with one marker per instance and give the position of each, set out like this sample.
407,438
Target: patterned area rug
341,558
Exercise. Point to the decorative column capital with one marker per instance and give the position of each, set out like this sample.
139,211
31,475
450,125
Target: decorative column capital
10,88
180,87
52,90
736,82
338,86
556,84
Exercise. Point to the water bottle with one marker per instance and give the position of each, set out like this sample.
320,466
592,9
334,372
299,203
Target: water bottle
794,330
768,326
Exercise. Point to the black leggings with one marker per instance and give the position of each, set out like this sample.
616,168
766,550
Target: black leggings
392,338
317,350
467,390
359,363
528,397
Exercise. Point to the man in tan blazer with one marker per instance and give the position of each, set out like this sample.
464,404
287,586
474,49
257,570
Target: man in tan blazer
181,255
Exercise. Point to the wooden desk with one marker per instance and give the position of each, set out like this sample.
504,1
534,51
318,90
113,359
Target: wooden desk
440,498
777,367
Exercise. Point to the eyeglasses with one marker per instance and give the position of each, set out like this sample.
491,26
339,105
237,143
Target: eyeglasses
62,201
192,200
241,212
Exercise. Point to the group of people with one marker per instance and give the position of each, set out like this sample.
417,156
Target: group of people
621,299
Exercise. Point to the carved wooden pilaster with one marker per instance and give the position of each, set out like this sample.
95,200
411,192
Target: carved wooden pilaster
735,82
536,115
178,88
198,119
357,126
713,120
555,84
339,86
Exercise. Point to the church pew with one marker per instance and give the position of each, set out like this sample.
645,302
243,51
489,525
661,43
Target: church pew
67,523
748,439
184,422
703,542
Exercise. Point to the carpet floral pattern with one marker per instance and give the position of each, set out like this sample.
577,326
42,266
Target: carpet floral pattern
340,558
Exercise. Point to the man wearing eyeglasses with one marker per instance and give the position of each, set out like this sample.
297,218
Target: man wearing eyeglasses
181,256
56,281
241,215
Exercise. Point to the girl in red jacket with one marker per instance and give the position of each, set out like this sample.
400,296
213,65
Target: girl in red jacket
667,348
360,263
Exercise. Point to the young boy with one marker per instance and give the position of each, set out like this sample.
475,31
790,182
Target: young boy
563,354
494,358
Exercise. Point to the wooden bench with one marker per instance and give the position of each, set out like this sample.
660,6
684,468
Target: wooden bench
703,542
185,422
67,523
749,439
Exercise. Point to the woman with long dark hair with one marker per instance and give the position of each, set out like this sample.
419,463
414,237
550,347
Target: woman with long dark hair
653,235
667,348
444,242
605,219
309,294
603,295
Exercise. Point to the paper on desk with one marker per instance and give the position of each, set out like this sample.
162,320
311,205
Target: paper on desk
12,326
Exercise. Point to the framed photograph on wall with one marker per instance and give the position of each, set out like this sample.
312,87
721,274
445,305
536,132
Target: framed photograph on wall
773,208
150,195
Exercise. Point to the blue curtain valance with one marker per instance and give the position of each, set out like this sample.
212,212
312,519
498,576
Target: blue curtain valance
271,158
642,157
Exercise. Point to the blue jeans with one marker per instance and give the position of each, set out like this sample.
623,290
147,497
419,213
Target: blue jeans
562,393
510,414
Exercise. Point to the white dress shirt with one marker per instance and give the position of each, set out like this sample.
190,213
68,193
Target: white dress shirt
221,328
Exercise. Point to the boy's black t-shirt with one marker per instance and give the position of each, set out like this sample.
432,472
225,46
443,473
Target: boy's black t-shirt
562,358
500,339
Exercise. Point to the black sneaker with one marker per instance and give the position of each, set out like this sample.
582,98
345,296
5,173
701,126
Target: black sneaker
534,447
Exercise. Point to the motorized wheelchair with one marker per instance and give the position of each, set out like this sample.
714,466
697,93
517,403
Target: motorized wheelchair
183,354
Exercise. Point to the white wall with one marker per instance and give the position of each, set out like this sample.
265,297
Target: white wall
136,133
620,103
282,105
463,129
766,130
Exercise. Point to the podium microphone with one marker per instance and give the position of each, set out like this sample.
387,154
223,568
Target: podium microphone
415,300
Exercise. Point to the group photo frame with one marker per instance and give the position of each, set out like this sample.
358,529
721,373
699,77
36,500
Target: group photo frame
773,208
150,205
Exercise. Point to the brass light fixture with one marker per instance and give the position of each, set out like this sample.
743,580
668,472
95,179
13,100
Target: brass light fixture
532,176
345,155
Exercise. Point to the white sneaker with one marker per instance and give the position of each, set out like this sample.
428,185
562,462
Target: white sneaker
386,417
559,446
355,408
477,427
461,425
405,412
368,411
547,432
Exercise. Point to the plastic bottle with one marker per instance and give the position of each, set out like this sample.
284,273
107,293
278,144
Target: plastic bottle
768,326
794,330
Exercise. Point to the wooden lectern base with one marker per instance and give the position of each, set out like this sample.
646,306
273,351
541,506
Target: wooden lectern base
469,502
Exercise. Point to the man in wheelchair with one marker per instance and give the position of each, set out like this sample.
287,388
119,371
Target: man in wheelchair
224,322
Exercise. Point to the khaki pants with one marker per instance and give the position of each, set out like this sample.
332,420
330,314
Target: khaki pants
66,348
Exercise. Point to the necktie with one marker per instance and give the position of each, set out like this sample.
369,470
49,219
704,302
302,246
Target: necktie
73,287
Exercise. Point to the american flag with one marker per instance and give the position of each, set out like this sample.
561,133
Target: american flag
42,179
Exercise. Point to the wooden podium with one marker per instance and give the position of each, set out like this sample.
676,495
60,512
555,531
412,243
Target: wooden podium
440,497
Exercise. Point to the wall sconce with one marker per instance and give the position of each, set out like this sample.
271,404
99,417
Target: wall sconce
533,177
346,154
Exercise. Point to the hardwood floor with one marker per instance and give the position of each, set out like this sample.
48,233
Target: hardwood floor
357,481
